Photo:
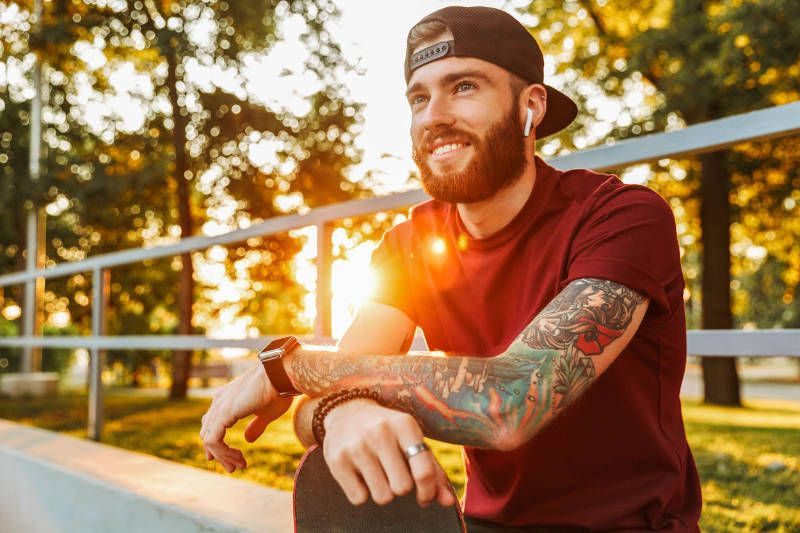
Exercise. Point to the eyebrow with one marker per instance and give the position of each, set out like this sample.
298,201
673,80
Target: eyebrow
450,78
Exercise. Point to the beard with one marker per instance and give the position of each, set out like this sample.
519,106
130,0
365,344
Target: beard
498,162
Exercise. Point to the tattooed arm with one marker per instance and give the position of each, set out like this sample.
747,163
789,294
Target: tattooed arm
376,329
498,402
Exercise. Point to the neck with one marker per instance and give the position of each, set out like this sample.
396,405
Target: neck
485,218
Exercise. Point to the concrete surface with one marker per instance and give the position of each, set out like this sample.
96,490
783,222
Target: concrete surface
56,483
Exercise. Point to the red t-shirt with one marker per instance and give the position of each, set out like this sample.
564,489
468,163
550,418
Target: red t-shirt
617,458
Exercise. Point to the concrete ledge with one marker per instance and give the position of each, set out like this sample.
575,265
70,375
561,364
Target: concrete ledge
35,384
55,483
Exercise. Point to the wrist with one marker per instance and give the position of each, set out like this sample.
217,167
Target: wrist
303,413
273,359
330,402
269,391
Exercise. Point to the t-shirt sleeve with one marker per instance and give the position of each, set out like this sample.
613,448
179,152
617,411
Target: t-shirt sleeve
392,285
629,237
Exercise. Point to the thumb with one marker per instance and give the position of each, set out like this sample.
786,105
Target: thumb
255,428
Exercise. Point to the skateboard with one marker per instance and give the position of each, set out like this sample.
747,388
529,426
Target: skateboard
319,505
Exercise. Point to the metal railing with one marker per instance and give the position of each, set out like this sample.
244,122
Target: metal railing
775,122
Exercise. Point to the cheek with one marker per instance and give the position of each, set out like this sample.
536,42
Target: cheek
416,131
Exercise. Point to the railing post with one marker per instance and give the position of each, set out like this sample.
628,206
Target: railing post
322,329
31,321
32,318
100,290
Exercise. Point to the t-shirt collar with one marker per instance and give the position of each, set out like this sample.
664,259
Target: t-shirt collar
544,175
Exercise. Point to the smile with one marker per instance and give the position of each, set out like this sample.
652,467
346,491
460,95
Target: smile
445,149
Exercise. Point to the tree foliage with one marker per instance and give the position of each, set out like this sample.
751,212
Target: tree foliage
662,64
161,117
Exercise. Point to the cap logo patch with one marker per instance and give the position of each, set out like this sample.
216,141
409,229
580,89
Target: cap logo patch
431,53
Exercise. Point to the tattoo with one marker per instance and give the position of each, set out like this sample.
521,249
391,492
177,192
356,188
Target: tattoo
494,402
580,322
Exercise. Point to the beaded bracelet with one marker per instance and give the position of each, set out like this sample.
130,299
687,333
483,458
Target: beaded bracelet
333,400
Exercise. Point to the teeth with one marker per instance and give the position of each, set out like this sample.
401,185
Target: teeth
439,150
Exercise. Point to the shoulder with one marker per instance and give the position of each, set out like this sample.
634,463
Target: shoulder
601,194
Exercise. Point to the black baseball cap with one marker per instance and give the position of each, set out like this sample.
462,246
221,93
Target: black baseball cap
497,37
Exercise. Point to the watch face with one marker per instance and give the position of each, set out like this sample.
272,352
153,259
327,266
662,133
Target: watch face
267,354
277,348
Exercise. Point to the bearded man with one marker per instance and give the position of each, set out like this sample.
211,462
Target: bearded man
556,297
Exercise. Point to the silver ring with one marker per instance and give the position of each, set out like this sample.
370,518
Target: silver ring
416,449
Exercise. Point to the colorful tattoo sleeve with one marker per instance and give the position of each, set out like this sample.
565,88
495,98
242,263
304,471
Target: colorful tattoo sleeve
497,402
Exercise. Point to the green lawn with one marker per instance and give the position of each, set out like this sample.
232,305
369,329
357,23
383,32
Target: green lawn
749,458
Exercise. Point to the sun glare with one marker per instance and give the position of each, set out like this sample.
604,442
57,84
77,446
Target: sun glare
353,282
438,246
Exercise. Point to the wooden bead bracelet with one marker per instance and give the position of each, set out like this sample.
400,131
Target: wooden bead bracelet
333,400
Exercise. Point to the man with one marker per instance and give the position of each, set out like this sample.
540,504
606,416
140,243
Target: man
562,289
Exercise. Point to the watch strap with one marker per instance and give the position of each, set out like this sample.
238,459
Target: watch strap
277,373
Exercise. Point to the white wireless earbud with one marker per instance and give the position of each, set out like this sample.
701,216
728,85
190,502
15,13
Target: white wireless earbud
528,122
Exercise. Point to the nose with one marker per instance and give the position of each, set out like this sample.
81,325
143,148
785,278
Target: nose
438,114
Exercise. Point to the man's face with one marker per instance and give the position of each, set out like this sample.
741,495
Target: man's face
465,129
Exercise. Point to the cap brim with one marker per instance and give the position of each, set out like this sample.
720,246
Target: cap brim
561,111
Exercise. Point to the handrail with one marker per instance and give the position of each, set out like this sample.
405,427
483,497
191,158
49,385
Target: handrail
770,123
700,342
779,121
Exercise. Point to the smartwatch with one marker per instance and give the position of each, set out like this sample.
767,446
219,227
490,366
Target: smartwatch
271,357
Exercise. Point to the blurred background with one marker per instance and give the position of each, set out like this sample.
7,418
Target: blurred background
165,119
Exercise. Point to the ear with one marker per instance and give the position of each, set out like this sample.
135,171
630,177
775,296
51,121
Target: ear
535,101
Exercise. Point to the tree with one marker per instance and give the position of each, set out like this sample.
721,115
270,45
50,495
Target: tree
191,129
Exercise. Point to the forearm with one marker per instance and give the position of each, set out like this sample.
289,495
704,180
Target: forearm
497,402
376,329
473,401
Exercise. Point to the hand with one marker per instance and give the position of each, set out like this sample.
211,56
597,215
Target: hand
364,448
251,393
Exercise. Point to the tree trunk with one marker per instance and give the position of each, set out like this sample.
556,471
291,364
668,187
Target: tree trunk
720,379
182,359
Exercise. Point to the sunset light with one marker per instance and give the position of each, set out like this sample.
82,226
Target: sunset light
353,282
224,251
352,279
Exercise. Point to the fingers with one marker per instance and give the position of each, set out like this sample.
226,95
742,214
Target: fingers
212,434
392,462
248,394
345,474
365,449
424,468
373,475
215,445
370,465
444,490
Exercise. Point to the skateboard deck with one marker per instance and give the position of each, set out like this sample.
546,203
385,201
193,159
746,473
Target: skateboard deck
321,506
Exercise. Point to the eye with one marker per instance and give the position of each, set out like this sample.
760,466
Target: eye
416,99
464,86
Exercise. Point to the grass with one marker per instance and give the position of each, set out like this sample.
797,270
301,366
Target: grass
748,458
